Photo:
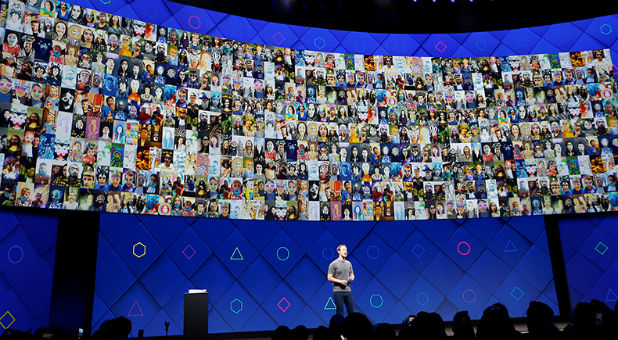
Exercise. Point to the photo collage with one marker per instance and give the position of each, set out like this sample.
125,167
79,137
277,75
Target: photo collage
103,113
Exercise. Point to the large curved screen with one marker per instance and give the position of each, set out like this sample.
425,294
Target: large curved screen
105,113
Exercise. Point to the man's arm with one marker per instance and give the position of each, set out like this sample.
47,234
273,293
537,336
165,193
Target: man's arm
351,277
332,279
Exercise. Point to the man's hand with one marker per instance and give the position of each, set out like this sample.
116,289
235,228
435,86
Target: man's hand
343,282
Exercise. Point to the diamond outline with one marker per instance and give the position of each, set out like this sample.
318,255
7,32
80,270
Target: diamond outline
517,289
604,250
282,300
4,315
423,250
443,49
189,247
281,40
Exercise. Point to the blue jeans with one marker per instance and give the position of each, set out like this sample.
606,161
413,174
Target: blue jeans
341,299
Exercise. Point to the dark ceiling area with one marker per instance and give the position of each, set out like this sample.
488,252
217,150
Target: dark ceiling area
413,16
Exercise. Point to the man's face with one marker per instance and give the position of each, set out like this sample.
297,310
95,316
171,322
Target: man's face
74,171
343,251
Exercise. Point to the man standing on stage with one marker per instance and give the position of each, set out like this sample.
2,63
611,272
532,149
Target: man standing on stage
340,273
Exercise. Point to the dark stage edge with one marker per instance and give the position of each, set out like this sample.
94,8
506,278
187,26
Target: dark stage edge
520,325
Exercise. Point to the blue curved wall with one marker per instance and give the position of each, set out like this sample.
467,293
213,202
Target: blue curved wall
27,255
589,246
261,274
597,33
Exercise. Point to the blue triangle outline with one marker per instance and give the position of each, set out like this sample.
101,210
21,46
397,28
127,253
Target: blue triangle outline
510,247
611,295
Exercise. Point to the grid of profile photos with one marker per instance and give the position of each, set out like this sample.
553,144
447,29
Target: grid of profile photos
104,113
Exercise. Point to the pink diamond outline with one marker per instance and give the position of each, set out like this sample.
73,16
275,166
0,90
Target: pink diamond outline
286,308
443,49
281,40
185,254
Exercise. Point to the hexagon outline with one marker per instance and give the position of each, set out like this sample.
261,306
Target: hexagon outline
138,244
232,306
606,32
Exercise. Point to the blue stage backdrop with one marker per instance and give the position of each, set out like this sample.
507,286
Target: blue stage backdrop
249,267
27,252
261,274
591,258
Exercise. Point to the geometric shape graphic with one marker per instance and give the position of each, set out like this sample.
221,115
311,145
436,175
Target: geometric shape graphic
15,254
422,298
517,293
236,255
440,46
139,249
418,250
601,248
510,247
606,29
330,304
188,252
480,44
284,304
285,251
236,306
376,300
611,296
278,38
373,252
195,22
136,310
469,296
319,42
463,248
4,323
328,253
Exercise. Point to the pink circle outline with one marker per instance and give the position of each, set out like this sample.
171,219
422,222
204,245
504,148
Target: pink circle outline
462,253
198,19
463,296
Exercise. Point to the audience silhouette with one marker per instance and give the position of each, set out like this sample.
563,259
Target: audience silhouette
589,320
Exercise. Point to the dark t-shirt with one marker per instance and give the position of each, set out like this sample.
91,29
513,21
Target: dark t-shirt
341,270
